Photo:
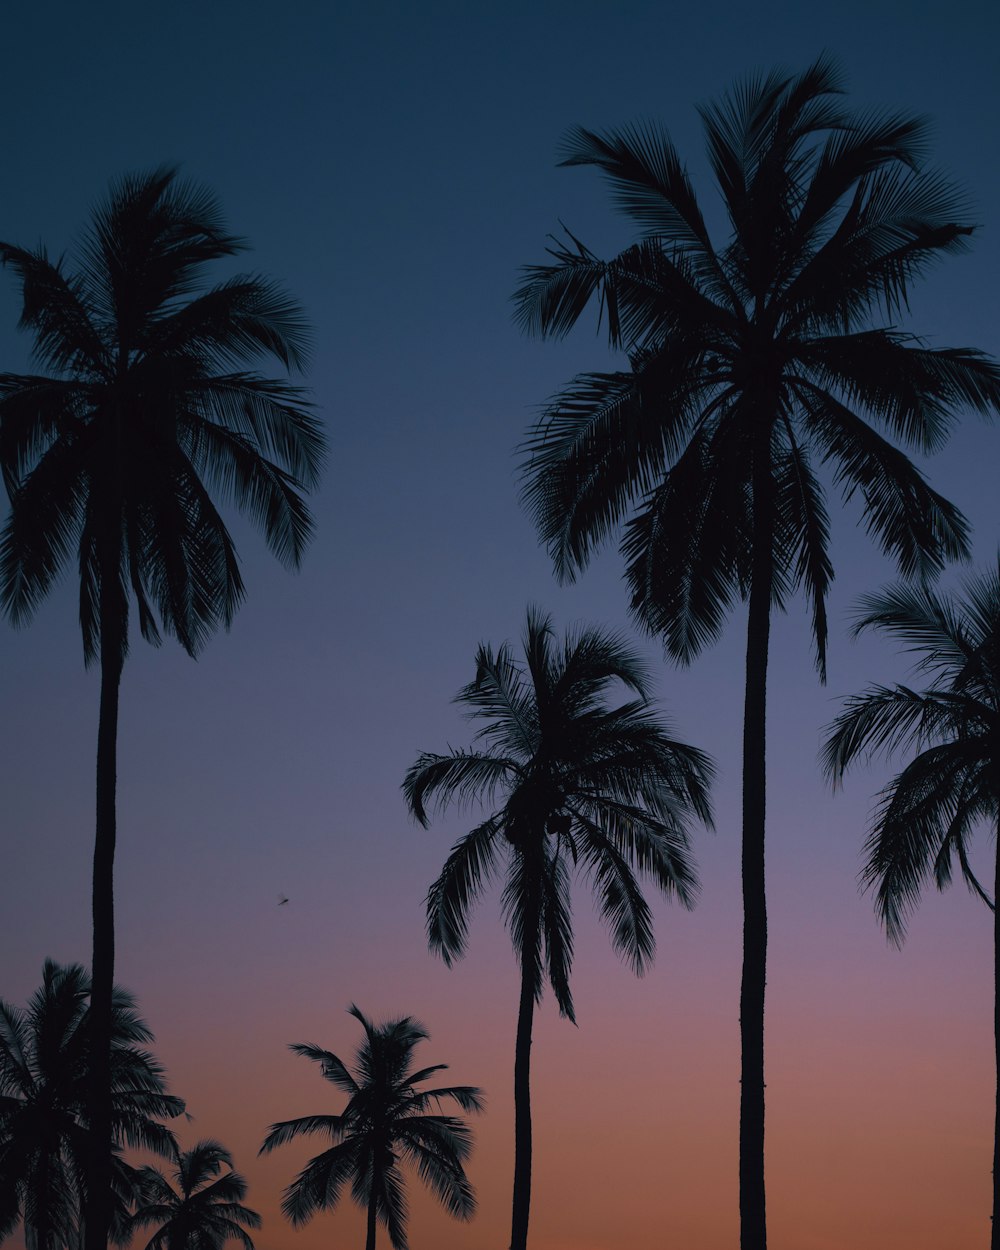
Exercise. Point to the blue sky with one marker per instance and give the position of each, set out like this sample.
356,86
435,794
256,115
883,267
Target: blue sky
394,165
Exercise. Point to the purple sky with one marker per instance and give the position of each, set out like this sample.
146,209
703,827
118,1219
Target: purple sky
393,165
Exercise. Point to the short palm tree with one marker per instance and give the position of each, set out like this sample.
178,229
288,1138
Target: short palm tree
201,1209
751,366
571,781
147,403
928,813
44,1139
388,1120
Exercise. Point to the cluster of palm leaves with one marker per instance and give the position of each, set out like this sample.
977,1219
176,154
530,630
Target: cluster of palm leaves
757,375
45,1140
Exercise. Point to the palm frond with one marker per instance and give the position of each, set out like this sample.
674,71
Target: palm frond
320,1183
913,524
460,776
923,621
685,550
552,297
601,442
500,697
803,518
234,323
556,931
56,311
286,1130
466,872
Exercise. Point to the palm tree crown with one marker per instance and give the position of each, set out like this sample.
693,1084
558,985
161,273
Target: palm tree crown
201,1210
148,399
572,782
952,785
388,1120
751,362
44,1139
578,783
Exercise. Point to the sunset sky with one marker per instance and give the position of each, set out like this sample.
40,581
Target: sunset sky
393,165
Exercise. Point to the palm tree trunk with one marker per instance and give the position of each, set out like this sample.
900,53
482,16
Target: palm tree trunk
995,1235
522,1070
370,1240
98,1203
753,1224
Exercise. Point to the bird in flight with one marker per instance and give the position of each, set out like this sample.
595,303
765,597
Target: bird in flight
282,900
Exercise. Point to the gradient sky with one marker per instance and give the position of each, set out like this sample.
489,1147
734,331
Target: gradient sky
393,166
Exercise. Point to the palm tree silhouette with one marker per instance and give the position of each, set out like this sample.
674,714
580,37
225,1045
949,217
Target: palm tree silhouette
201,1210
147,404
45,1056
928,813
578,783
749,366
387,1121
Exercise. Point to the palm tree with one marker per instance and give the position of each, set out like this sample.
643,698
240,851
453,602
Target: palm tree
928,813
571,781
146,402
201,1210
749,366
387,1120
45,1055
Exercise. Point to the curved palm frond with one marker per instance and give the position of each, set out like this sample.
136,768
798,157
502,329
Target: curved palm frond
466,872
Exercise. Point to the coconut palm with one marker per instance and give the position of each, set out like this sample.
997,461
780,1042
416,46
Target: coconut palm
929,812
750,367
146,404
44,1139
200,1209
571,781
388,1120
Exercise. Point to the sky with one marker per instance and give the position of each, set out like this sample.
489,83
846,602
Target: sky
393,166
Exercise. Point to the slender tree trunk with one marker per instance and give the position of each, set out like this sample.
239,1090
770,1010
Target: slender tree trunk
995,1234
522,1070
98,1201
370,1239
753,1224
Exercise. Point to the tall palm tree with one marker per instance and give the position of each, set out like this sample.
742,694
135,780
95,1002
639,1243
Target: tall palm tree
146,403
45,1056
387,1120
750,365
571,782
928,813
201,1210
